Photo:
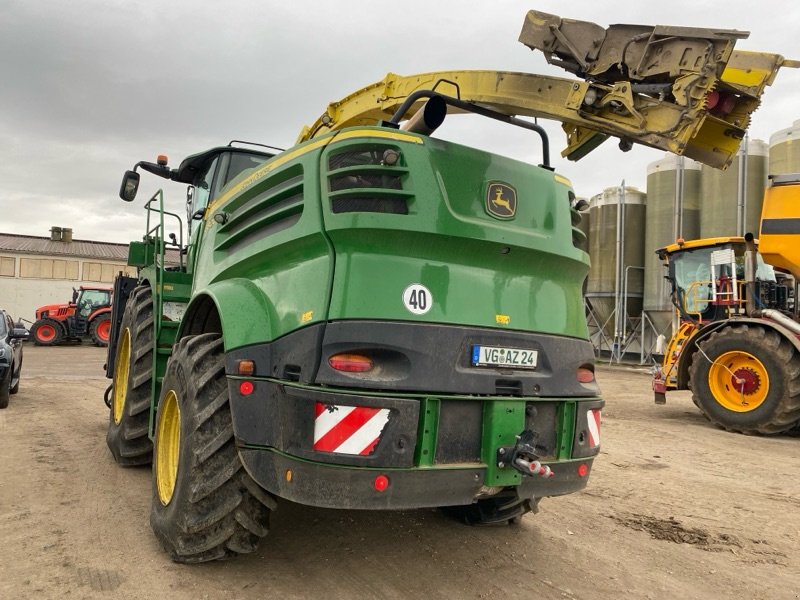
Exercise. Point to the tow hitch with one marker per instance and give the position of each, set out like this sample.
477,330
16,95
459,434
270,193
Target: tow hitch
523,456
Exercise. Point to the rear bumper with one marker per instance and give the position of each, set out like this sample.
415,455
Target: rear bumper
425,418
435,451
333,486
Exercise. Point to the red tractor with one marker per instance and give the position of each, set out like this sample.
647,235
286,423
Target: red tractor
89,314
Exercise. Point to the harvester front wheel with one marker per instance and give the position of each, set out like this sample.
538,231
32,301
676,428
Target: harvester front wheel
205,506
129,415
47,332
100,330
746,379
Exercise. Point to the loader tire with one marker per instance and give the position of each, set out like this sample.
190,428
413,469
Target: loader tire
100,330
129,414
47,332
498,510
747,380
205,506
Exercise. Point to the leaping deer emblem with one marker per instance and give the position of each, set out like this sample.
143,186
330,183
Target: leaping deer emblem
501,206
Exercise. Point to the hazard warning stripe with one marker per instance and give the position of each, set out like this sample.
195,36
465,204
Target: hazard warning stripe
348,429
593,417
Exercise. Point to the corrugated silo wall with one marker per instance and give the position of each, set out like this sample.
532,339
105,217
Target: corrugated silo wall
601,284
784,150
668,217
720,193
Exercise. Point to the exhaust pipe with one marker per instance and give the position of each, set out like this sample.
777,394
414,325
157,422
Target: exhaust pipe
750,267
779,317
428,118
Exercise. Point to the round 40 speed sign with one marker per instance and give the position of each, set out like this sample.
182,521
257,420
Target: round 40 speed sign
417,299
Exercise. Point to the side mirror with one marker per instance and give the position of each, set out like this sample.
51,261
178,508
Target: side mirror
19,333
130,185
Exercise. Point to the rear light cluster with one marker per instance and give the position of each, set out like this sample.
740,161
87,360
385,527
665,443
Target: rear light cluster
586,374
351,363
248,369
380,483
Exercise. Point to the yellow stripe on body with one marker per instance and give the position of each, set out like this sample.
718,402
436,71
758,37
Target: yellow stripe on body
562,179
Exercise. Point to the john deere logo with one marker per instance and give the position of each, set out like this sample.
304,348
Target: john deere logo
501,200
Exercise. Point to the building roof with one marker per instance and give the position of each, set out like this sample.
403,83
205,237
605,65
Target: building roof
30,244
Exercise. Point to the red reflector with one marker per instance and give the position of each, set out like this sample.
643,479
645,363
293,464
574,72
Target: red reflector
583,470
381,483
352,363
585,375
246,388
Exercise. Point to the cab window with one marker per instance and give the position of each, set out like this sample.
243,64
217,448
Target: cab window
90,300
202,189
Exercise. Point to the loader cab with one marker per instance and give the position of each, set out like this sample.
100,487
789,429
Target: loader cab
707,277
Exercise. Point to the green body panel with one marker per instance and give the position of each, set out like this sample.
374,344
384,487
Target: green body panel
269,270
310,264
140,254
522,273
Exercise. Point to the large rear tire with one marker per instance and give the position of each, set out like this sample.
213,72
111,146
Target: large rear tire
205,506
747,380
100,330
129,415
47,332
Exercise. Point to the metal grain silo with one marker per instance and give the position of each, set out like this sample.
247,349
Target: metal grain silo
732,198
673,211
784,150
610,232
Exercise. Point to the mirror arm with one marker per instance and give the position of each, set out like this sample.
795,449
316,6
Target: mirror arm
156,169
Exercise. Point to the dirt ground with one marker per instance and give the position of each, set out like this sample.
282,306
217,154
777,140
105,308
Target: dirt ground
674,509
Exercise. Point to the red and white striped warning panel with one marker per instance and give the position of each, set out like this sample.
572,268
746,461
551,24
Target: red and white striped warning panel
593,416
348,429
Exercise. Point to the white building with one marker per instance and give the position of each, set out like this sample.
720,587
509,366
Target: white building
35,271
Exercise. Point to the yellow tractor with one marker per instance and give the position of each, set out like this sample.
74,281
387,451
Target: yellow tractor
737,346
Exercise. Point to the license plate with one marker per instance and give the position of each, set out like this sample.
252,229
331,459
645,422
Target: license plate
497,356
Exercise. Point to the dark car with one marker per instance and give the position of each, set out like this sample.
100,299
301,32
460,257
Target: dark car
10,357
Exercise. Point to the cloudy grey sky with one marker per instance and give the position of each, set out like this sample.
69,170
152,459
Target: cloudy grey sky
89,87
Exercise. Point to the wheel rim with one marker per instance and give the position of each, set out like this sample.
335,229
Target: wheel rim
739,381
168,442
46,333
104,330
121,372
